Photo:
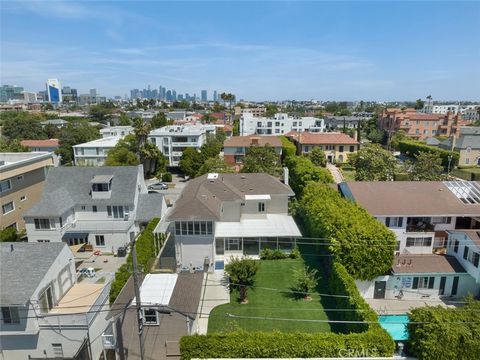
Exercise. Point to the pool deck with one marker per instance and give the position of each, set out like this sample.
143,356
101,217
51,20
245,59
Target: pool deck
396,306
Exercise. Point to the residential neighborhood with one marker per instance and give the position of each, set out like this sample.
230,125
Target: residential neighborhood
239,180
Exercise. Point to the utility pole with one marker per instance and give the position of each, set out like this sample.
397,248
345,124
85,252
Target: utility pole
137,293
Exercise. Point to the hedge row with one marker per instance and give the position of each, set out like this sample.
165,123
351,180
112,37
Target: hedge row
445,334
340,282
286,345
288,147
302,171
356,239
466,174
412,148
145,246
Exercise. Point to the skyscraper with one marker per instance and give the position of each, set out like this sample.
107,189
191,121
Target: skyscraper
174,95
215,96
54,94
204,95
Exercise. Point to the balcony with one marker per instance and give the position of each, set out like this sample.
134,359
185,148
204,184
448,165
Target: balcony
186,143
420,225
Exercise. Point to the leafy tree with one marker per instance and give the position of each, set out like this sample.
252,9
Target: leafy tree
242,273
373,163
101,113
124,120
262,159
304,282
427,167
121,156
419,104
74,134
190,162
51,131
400,135
372,131
218,107
288,147
302,171
271,110
214,165
318,157
236,127
12,146
22,126
10,234
212,147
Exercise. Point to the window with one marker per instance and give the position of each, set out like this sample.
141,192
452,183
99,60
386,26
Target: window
10,315
8,207
43,241
394,222
177,229
46,300
294,123
5,185
190,228
423,282
109,211
340,148
117,212
197,228
442,220
20,177
184,228
83,207
261,207
23,198
467,161
277,123
421,241
100,240
150,317
57,351
203,228
465,252
101,187
44,224
352,148
209,228
60,220
455,246
469,149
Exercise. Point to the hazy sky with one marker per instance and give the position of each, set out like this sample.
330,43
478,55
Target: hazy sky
381,50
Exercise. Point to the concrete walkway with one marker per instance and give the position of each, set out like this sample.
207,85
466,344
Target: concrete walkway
396,306
336,173
215,292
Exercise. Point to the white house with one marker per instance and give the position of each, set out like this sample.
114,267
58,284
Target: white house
422,215
220,215
173,139
278,125
465,246
117,131
94,153
45,313
101,206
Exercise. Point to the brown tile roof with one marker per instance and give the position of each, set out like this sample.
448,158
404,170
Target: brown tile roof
426,264
308,138
41,143
414,198
201,198
247,141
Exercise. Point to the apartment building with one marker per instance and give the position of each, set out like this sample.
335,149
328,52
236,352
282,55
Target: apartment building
101,206
422,215
95,152
236,147
46,313
173,139
255,112
467,145
420,126
279,124
338,123
49,145
472,114
221,215
337,146
116,131
22,178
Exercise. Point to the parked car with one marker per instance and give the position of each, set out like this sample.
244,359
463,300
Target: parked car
158,186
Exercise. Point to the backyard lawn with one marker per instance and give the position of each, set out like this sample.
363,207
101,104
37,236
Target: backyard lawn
273,274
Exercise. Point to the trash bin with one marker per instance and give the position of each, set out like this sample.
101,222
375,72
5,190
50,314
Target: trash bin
122,251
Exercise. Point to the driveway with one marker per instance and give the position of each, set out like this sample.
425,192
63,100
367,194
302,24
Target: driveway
174,190
337,175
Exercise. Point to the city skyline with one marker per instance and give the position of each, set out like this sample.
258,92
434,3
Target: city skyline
258,51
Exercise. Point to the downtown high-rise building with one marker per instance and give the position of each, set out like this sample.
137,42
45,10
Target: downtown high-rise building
11,92
54,93
215,95
203,95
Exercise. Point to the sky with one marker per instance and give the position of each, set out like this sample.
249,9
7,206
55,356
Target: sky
270,50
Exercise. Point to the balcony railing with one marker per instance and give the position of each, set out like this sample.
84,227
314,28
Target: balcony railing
420,227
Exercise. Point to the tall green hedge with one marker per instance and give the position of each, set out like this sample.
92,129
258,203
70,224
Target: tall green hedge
356,239
302,171
145,247
445,334
412,148
288,147
243,344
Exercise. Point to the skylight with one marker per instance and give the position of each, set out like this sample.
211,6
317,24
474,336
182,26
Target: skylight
467,191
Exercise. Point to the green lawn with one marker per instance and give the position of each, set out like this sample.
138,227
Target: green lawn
348,175
275,274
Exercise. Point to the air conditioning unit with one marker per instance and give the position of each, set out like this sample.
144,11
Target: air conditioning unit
125,217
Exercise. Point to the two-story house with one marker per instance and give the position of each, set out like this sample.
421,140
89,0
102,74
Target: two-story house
45,312
22,178
101,206
467,145
465,246
173,139
220,215
336,146
235,148
421,214
95,152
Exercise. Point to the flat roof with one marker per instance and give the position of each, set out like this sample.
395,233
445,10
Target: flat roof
426,264
109,141
9,161
157,289
78,299
272,225
409,198
247,141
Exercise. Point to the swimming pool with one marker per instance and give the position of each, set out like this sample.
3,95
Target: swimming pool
396,325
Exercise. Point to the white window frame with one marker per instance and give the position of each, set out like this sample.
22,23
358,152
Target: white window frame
9,211
51,224
150,323
261,207
100,237
50,304
13,317
8,188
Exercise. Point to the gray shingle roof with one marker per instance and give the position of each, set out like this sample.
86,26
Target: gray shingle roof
149,207
68,186
23,268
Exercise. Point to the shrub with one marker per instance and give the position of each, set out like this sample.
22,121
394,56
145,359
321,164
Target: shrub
145,248
445,333
356,239
295,254
304,281
288,147
167,177
270,254
412,148
242,274
302,171
242,344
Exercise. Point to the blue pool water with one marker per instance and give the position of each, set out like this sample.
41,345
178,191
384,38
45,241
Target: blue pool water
219,265
396,326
